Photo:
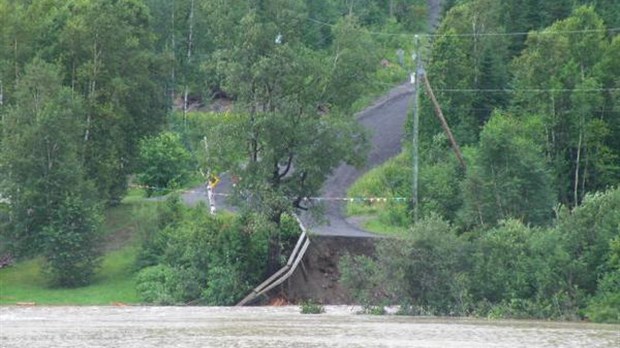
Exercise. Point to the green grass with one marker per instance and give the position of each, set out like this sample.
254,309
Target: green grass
134,195
385,218
376,226
113,283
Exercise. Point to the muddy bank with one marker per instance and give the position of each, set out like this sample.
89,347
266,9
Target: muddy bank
318,277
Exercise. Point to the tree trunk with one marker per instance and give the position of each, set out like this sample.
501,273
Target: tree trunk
190,43
92,89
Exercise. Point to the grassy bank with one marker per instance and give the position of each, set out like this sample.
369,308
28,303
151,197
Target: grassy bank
114,283
24,283
382,217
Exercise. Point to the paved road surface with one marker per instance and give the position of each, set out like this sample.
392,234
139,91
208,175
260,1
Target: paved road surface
385,120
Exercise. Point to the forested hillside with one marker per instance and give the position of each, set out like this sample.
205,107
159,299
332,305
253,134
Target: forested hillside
98,94
531,92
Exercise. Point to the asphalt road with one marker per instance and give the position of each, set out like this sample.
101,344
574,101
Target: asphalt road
385,120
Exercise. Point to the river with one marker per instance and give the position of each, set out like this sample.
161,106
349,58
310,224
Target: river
188,327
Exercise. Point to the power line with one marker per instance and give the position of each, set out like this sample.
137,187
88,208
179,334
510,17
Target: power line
521,33
527,90
516,33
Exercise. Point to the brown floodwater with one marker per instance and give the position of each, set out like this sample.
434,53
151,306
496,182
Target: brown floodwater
34,327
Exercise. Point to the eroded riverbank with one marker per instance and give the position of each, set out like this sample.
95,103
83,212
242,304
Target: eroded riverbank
35,327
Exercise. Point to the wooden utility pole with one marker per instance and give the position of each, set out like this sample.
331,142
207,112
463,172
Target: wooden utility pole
444,123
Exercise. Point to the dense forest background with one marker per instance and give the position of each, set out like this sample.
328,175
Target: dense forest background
95,95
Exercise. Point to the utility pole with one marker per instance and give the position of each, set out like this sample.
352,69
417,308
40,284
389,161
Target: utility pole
444,123
415,79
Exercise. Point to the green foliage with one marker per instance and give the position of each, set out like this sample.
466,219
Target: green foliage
71,247
359,274
164,162
113,283
311,307
467,63
507,176
159,285
44,177
191,256
226,285
424,270
389,180
604,306
519,269
565,67
586,233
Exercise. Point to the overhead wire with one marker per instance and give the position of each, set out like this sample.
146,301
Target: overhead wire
516,33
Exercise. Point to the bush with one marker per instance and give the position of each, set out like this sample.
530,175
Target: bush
373,310
311,307
159,285
226,285
164,162
605,306
360,276
586,234
215,260
424,270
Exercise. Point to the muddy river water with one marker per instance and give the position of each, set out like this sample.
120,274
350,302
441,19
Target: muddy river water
34,327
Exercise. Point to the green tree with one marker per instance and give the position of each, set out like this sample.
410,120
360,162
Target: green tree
72,243
164,162
279,87
507,176
468,69
107,53
40,155
426,271
587,232
604,307
520,268
557,77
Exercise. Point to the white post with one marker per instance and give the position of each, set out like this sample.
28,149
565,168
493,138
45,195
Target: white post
210,195
210,183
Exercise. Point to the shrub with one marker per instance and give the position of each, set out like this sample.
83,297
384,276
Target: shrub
311,307
605,306
214,259
164,162
157,285
226,285
424,270
373,309
359,274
